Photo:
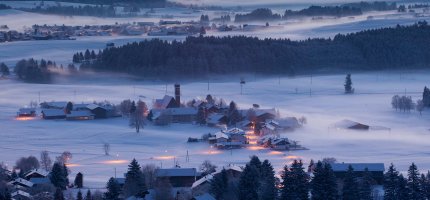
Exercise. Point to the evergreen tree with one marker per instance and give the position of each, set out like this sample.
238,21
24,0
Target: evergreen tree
79,180
233,114
134,180
255,161
58,194
58,177
88,196
348,84
268,190
79,196
426,186
366,185
7,194
391,183
295,184
4,69
249,183
414,183
219,184
201,116
426,97
350,186
323,184
113,190
403,191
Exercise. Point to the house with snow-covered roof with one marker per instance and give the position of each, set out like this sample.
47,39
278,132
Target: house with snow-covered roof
21,183
375,169
178,177
166,102
76,115
53,114
36,173
54,105
26,112
21,195
202,185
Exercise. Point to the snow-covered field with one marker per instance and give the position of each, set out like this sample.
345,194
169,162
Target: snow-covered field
326,104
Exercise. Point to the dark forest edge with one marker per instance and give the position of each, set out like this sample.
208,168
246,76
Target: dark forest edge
395,48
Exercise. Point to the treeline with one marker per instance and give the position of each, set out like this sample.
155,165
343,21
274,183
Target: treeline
386,48
351,9
4,7
97,10
42,71
139,3
261,14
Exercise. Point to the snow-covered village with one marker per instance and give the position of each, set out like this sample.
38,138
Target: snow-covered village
214,100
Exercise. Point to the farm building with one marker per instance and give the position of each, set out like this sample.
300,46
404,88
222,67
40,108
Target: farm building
178,177
53,114
348,124
53,105
26,112
376,170
80,115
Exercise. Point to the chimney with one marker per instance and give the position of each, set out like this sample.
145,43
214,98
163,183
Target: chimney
178,94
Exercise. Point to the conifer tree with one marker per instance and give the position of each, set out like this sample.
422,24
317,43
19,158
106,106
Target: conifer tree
348,84
391,181
88,196
350,186
295,184
219,184
58,176
79,180
134,180
113,190
426,96
249,183
79,196
366,185
255,161
268,190
323,184
414,183
58,194
403,191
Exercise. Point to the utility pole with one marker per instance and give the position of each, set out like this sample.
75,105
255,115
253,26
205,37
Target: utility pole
39,96
208,84
74,94
166,88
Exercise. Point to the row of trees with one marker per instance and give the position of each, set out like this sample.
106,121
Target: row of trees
4,7
351,9
34,71
386,48
88,56
87,10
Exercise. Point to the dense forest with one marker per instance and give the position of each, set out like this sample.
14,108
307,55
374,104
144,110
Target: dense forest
351,9
4,7
385,48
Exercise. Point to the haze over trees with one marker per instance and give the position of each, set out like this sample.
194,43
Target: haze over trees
385,48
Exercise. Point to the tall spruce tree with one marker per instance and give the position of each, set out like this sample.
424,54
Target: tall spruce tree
348,84
323,183
113,190
268,190
366,185
295,184
256,162
249,183
58,176
88,196
426,96
403,191
79,196
58,195
413,185
391,183
134,180
219,184
350,185
426,187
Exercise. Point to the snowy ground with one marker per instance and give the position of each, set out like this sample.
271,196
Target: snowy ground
406,142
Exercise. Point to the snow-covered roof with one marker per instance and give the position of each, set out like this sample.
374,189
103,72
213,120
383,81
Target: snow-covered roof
80,113
280,140
21,193
36,171
80,106
269,126
176,172
229,144
221,135
56,104
358,166
205,196
26,110
92,106
53,112
21,181
215,118
259,112
183,111
229,167
202,180
235,131
40,180
164,102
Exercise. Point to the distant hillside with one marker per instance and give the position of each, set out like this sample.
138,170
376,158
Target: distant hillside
140,3
386,48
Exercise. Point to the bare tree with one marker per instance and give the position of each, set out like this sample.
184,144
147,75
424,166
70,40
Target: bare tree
149,174
302,120
27,164
64,157
207,167
106,148
45,161
420,106
137,119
